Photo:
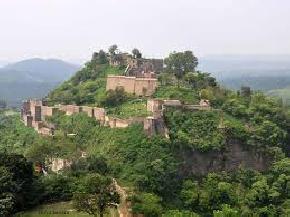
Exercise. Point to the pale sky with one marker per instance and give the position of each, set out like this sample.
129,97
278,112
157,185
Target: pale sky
73,29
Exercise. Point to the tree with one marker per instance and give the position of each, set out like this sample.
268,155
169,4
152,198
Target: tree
258,194
96,194
115,97
112,49
245,91
192,79
226,211
57,187
18,186
179,63
190,194
102,58
179,213
92,164
148,204
136,53
6,197
206,94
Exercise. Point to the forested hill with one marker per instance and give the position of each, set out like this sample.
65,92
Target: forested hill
32,78
260,72
230,160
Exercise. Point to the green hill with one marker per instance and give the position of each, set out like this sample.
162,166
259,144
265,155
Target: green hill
230,160
32,78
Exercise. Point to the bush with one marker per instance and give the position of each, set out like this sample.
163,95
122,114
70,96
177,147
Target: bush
115,97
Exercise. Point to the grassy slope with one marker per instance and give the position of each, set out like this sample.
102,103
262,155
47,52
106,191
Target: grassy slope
129,109
62,209
185,94
87,86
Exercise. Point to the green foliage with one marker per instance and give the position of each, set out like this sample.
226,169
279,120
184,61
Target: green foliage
184,94
200,80
179,63
95,164
112,49
87,86
14,136
95,195
132,108
226,212
198,129
151,166
115,97
19,188
178,213
264,119
58,187
7,200
148,204
242,193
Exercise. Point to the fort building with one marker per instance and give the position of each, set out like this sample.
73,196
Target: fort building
133,85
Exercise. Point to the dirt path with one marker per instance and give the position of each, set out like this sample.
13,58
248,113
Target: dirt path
123,208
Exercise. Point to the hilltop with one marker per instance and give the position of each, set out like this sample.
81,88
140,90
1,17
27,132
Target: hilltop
32,78
49,70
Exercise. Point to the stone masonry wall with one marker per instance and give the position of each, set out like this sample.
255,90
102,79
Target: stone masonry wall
145,86
133,85
70,109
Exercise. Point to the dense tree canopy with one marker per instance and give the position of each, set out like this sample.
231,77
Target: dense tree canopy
179,63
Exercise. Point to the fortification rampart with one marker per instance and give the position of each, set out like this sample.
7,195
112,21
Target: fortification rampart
34,113
133,85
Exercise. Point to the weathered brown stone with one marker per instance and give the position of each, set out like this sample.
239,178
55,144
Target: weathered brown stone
137,86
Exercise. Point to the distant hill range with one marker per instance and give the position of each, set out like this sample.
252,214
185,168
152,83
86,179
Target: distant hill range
32,78
261,72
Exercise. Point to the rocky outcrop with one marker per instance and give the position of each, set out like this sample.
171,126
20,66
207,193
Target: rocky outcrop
235,155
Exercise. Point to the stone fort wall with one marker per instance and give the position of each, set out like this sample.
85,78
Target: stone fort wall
133,85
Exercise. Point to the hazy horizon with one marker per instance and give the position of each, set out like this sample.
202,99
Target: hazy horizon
72,30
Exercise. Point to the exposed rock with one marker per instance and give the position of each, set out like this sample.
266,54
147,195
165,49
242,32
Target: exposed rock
235,155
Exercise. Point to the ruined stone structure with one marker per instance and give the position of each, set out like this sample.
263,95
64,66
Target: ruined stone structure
114,122
58,164
156,124
119,59
143,68
70,109
204,103
136,66
133,85
33,114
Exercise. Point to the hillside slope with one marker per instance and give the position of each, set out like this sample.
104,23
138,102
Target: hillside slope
227,158
32,78
39,70
260,72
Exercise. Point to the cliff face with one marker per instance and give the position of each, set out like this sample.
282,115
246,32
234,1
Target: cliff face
234,155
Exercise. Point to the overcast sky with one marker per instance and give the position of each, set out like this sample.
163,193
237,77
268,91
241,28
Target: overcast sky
73,29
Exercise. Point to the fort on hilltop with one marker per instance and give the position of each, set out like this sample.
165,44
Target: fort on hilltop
139,79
